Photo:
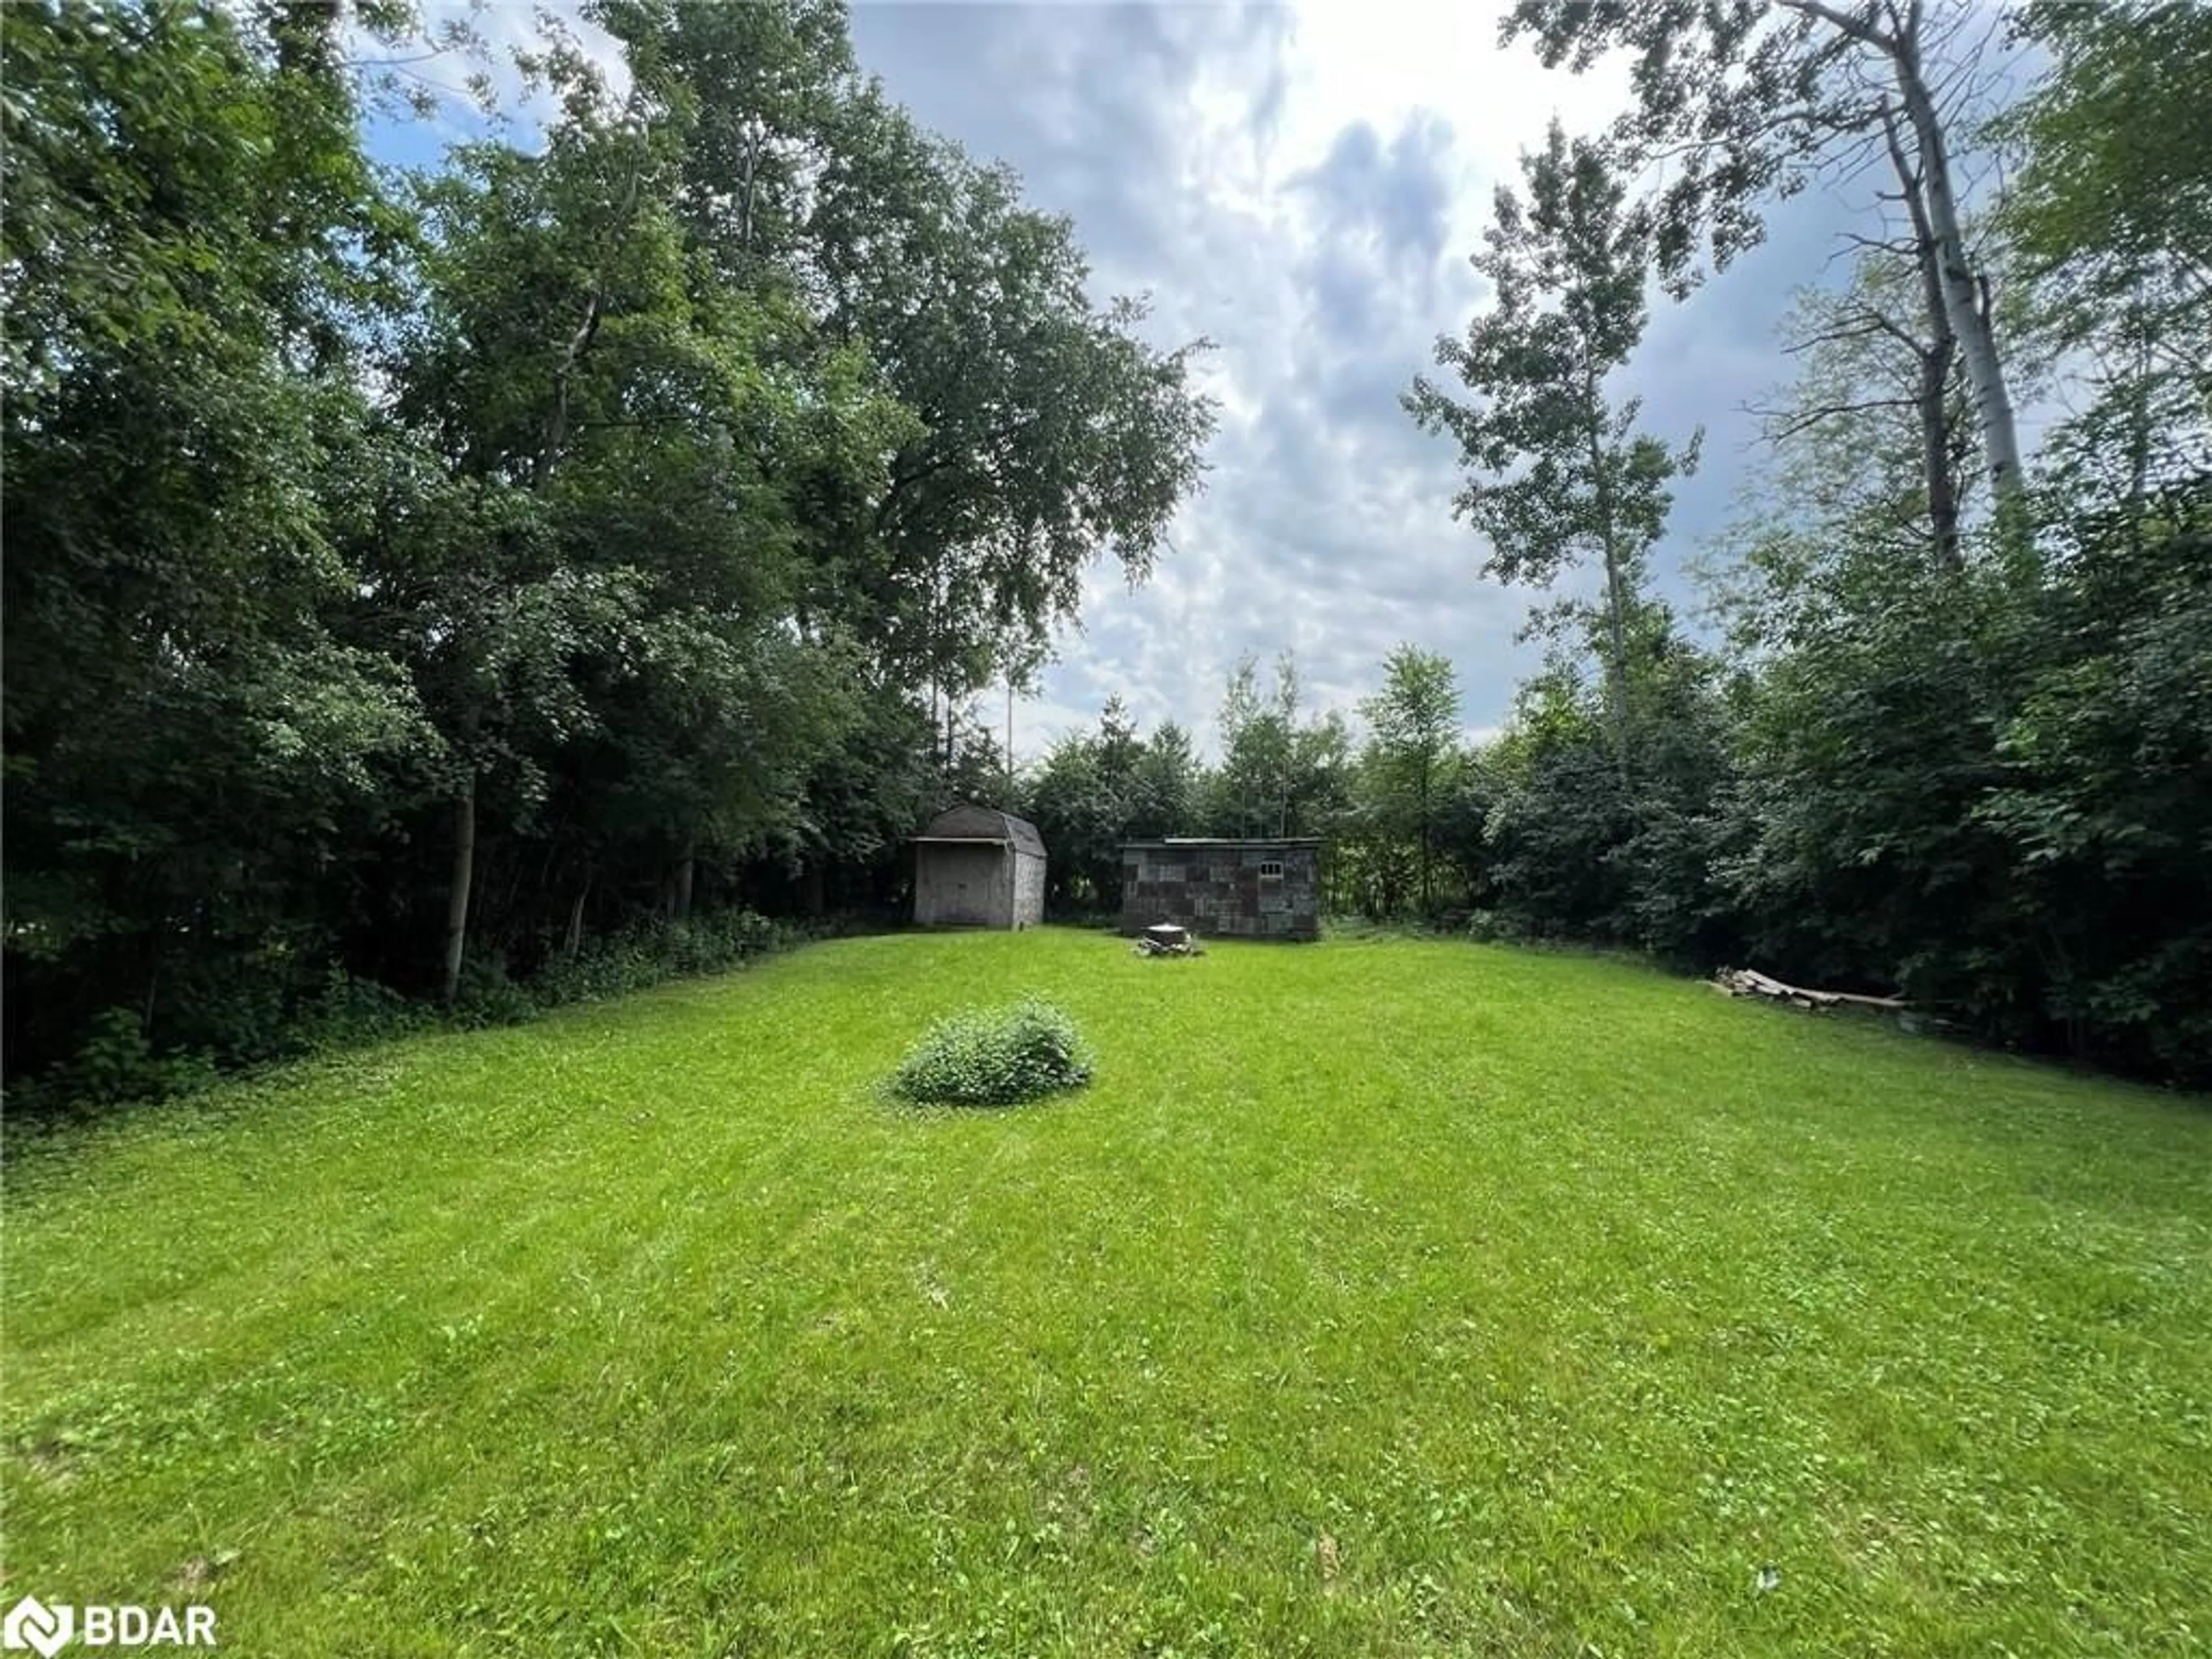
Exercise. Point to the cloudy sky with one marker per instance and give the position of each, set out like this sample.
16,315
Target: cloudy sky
1303,184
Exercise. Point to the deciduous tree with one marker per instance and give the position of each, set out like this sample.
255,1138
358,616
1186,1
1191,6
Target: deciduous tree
1555,471
1414,742
1742,99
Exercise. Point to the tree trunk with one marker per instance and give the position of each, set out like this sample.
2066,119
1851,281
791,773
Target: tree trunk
745,198
680,909
574,941
457,898
1615,598
1935,451
1937,356
580,343
1965,302
1616,605
1424,839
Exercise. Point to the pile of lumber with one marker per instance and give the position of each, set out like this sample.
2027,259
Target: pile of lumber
1748,982
1166,939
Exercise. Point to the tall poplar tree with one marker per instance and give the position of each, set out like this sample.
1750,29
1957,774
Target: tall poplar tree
1556,472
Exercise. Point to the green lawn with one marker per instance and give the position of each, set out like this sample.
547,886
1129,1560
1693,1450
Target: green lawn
1380,1297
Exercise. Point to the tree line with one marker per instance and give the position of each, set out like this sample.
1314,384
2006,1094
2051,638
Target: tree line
1949,731
417,578
424,583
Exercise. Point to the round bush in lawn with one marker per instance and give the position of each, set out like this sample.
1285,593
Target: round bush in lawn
995,1057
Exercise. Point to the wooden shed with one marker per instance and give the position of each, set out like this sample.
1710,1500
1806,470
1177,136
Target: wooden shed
1224,889
977,867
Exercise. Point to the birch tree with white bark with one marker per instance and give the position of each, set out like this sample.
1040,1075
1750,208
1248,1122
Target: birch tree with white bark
1737,101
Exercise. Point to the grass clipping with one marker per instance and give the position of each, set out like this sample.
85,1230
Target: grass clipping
995,1057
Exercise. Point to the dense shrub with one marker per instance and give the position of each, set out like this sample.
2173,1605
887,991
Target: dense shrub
348,1011
117,1063
647,953
996,1057
1990,790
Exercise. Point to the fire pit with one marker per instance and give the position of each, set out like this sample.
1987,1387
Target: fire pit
1165,939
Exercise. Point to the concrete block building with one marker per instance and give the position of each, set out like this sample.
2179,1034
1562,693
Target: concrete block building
1224,889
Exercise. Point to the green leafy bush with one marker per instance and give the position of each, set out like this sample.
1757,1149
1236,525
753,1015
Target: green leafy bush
996,1057
115,1066
489,997
351,1011
650,952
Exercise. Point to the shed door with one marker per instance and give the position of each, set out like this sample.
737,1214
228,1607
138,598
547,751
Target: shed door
963,885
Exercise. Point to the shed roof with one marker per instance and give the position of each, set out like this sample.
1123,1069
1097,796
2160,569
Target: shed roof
967,821
1226,841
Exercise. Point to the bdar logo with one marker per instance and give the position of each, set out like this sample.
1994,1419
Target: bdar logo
31,1624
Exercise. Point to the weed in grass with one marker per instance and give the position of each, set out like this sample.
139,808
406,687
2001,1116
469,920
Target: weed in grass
995,1057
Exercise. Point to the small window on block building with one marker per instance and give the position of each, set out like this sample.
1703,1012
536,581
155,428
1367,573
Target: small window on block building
1271,869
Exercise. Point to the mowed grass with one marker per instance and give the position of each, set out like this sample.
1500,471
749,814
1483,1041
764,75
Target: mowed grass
1378,1298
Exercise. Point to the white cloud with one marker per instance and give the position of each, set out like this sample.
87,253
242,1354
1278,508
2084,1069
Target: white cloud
496,32
1303,184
